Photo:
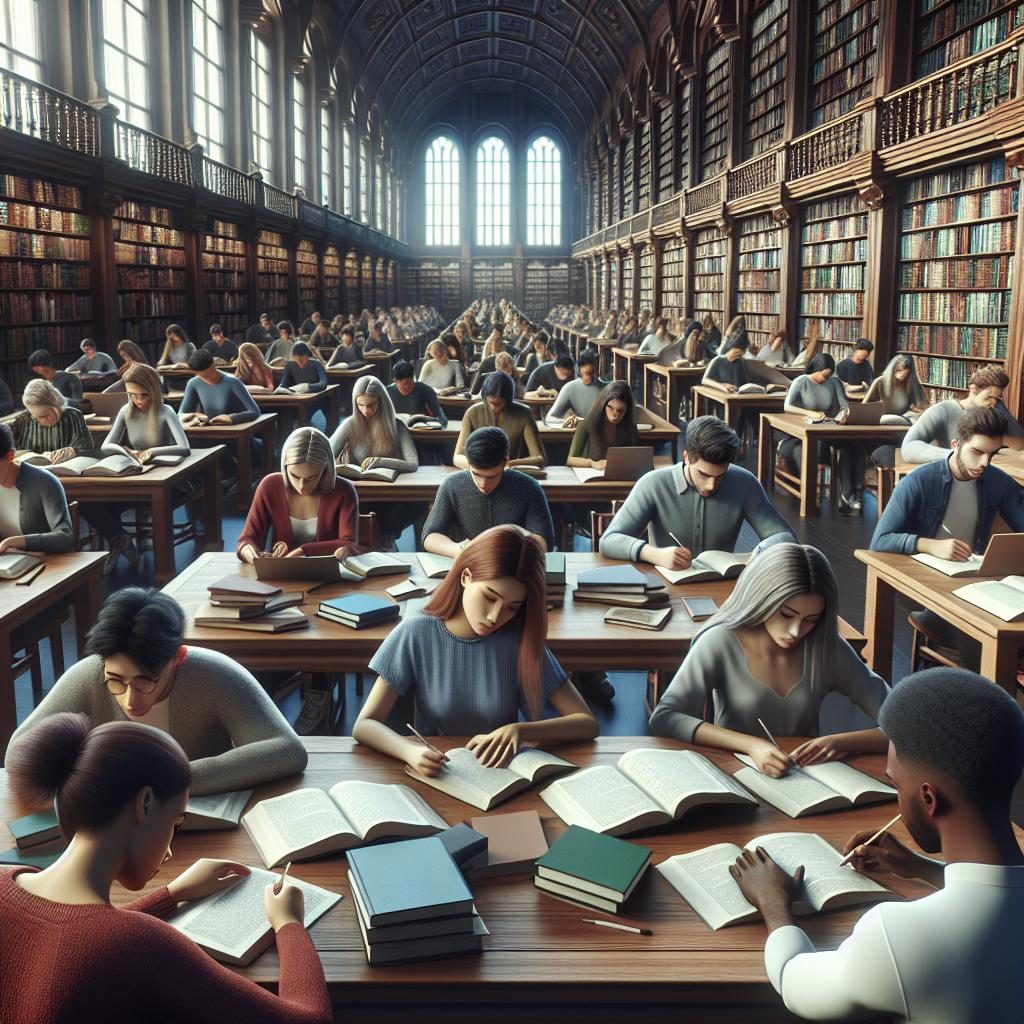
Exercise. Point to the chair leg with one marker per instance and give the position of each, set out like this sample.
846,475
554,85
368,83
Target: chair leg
57,652
37,674
359,684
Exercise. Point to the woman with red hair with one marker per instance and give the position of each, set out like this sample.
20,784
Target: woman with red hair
474,660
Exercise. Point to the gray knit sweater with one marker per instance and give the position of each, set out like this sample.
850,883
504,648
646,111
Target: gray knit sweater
162,434
45,519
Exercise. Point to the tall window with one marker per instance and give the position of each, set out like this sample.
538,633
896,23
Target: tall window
378,197
326,155
364,181
346,170
543,193
389,220
262,154
20,38
124,58
442,181
299,130
208,101
493,193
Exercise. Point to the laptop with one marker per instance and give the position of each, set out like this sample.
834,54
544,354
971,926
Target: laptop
628,463
314,569
108,403
865,414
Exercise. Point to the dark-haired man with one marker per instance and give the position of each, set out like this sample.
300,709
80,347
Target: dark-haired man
577,397
212,396
137,668
92,361
956,751
549,378
855,371
671,515
70,386
262,332
223,349
412,397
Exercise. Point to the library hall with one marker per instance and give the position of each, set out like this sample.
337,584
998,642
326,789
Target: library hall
511,509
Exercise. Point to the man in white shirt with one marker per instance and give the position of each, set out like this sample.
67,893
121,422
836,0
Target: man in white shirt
956,751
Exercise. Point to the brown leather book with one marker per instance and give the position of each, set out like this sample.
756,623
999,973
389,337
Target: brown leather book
514,842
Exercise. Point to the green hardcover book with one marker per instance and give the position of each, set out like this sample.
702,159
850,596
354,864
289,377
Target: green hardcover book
21,858
554,568
34,829
601,865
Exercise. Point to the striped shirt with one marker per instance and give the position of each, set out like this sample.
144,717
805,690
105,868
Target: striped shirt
69,431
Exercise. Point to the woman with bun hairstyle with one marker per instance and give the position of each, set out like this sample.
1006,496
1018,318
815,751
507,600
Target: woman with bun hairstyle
475,659
68,955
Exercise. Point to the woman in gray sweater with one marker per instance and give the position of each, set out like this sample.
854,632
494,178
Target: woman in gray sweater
772,654
146,426
34,512
440,371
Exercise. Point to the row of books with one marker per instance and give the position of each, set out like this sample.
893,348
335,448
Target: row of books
757,302
839,94
150,234
150,277
50,247
226,280
834,25
764,238
832,303
816,255
154,215
148,255
43,218
957,179
762,259
20,341
971,272
835,330
854,226
227,301
999,202
42,306
841,57
43,275
849,277
215,245
951,373
950,340
38,190
160,303
960,241
973,307
758,280
979,38
268,280
219,261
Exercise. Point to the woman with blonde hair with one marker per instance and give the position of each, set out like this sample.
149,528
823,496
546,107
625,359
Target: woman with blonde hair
130,353
49,426
177,349
252,369
146,426
474,660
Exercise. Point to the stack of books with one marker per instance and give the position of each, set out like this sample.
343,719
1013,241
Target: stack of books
554,577
621,586
38,841
411,902
240,603
359,611
591,869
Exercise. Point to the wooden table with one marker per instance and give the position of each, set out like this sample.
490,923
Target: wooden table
667,387
809,434
75,577
538,953
301,407
155,488
892,574
1009,460
628,365
708,400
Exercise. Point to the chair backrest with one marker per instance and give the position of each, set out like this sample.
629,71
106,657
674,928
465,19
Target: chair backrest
599,522
367,527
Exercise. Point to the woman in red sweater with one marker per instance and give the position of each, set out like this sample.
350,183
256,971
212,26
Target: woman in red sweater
67,955
305,509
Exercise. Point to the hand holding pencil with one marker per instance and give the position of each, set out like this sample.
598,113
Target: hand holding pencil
880,851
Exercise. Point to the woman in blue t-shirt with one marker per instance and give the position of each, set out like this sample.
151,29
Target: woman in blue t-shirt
474,660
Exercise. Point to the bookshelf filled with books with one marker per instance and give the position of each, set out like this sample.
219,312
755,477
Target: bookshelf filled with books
627,282
765,119
149,254
628,174
367,282
958,233
615,283
714,153
352,305
547,285
758,275
673,279
492,279
844,47
272,274
949,30
645,297
643,187
833,256
430,284
709,275
451,288
666,115
332,282
307,276
683,135
225,265
615,171
45,280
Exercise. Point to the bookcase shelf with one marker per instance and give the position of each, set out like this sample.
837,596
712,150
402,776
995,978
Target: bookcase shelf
844,53
332,282
645,298
272,275
714,151
307,272
643,188
683,134
492,279
833,257
225,264
148,251
958,234
547,285
949,30
666,178
352,304
758,275
430,284
628,168
615,167
614,293
709,275
673,279
627,282
765,119
451,289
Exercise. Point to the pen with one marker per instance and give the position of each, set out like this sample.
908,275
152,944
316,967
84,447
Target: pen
867,842
768,733
279,884
615,924
426,742
679,543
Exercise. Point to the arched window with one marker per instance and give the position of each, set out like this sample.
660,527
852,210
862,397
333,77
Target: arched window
441,173
346,170
493,193
21,46
326,156
544,193
299,129
208,93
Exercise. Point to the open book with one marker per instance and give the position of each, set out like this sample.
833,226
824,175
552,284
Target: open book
816,788
647,788
708,565
1003,598
309,822
232,925
419,420
971,567
760,389
435,567
702,878
464,778
350,471
216,810
17,563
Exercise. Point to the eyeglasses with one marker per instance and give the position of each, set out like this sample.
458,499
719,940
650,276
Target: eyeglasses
141,684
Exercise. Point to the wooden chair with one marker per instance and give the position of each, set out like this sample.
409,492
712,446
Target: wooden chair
924,648
599,522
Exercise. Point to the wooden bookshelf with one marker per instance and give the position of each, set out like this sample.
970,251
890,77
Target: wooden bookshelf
958,233
492,279
949,30
603,211
683,135
615,168
709,275
307,273
645,297
380,280
673,279
225,265
150,261
758,275
272,275
833,259
627,283
628,175
430,284
451,289
646,171
714,152
765,120
351,296
332,282
367,283
45,281
614,292
666,116
547,285
844,43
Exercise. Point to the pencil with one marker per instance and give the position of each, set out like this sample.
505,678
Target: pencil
867,842
279,884
775,743
615,924
679,543
426,742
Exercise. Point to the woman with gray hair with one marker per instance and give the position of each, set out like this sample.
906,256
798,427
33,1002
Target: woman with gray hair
899,389
49,426
771,654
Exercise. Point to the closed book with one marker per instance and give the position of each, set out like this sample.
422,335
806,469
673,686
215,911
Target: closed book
358,606
652,599
554,569
435,567
622,578
405,590
243,587
363,621
457,924
216,614
278,622
17,564
639,618
601,865
465,846
514,842
377,563
35,829
409,881
33,857
578,896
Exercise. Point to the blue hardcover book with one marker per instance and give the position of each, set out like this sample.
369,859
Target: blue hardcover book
358,606
409,881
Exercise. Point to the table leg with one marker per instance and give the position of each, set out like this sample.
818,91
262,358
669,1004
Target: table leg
302,414
245,482
163,535
879,611
8,708
85,600
211,507
765,462
999,661
809,478
333,410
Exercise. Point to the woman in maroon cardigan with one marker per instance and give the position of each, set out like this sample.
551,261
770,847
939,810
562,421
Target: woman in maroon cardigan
306,509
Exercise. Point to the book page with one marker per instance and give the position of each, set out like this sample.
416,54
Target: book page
948,566
296,820
721,561
999,599
366,804
528,762
466,771
584,474
846,780
600,798
223,806
702,878
669,776
795,792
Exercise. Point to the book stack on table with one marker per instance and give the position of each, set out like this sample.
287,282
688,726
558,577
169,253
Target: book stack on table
411,902
37,838
240,603
359,611
622,586
554,577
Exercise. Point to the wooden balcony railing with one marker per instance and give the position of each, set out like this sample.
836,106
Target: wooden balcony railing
28,108
753,176
278,201
705,196
228,182
152,154
828,146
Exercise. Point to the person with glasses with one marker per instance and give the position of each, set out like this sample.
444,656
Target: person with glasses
136,669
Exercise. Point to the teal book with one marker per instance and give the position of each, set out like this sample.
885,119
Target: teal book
359,606
35,829
409,881
601,865
622,578
23,858
554,568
